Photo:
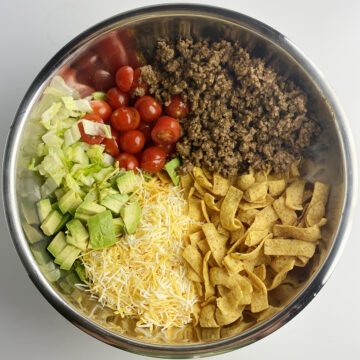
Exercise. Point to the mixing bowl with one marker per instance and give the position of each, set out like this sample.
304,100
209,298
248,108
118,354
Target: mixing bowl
129,38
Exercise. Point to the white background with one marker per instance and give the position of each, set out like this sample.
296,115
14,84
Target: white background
32,31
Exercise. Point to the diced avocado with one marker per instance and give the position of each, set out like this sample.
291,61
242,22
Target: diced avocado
119,227
64,220
127,182
115,202
57,244
69,201
79,235
55,205
101,175
171,168
67,257
80,270
106,192
44,209
101,230
33,235
131,214
39,251
51,223
30,213
88,209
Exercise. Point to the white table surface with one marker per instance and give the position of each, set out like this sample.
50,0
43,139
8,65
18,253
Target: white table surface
32,31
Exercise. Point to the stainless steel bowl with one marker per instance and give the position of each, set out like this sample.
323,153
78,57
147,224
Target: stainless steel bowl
138,29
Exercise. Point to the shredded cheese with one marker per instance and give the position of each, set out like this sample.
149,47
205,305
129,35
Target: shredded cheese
144,275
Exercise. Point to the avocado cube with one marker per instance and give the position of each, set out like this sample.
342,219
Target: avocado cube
39,251
57,244
171,168
51,223
101,230
127,182
119,227
67,257
33,235
69,201
131,214
43,208
80,270
79,234
106,192
115,202
30,213
88,209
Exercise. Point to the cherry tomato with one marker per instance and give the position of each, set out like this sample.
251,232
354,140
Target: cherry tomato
148,108
103,80
132,141
146,128
124,78
168,148
166,130
127,162
153,159
101,108
111,145
177,108
125,118
91,139
117,98
136,84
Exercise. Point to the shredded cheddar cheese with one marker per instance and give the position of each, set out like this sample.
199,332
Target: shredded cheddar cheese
144,275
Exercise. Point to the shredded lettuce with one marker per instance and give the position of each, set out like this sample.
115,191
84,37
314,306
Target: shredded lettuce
94,128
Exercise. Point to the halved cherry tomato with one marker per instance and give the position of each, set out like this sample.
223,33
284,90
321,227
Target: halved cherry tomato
153,159
124,78
112,145
117,98
101,108
136,84
125,118
132,141
177,108
91,139
148,108
146,128
168,148
127,162
166,130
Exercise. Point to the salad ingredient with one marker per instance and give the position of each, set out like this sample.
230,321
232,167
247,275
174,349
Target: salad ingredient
177,108
127,182
124,78
69,201
166,130
43,209
171,167
51,223
125,118
99,95
79,236
145,128
101,230
132,141
117,98
138,87
149,268
91,139
115,202
119,228
57,244
112,145
128,162
131,215
149,109
67,257
88,209
101,108
153,159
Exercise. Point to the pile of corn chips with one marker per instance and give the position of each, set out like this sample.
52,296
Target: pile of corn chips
255,228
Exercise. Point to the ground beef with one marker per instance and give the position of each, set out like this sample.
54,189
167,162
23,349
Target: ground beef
243,114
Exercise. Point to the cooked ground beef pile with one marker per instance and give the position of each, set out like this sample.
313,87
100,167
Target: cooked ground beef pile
243,114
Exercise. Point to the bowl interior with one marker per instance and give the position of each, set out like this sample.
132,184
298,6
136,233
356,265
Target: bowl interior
138,34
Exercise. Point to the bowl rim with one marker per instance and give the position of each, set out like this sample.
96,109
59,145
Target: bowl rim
196,350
